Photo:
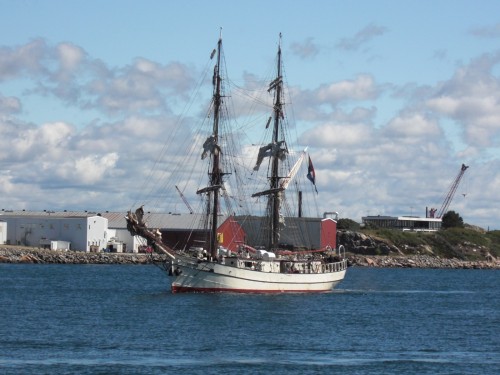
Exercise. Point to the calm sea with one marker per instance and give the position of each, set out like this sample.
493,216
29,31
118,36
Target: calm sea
96,319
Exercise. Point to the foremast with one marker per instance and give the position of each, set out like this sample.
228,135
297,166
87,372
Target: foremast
212,145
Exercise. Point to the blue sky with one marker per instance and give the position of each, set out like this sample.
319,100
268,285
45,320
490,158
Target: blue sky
410,89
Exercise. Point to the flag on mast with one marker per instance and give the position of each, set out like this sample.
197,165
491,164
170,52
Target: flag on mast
311,174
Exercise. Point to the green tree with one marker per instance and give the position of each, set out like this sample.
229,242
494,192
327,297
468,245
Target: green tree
347,224
452,219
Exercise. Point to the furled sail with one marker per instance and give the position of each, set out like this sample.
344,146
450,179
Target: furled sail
272,149
209,146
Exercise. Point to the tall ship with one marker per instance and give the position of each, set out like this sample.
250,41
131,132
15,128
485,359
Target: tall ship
281,250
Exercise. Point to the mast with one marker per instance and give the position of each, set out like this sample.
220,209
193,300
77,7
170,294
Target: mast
216,175
274,198
212,145
276,151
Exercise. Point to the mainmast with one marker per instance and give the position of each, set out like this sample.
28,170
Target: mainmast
216,176
274,197
276,151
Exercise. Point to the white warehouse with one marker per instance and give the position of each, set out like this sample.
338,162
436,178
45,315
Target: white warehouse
84,233
3,232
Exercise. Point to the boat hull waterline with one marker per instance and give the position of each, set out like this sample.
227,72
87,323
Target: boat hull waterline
210,277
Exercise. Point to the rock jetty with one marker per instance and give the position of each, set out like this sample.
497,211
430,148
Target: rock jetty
418,261
15,254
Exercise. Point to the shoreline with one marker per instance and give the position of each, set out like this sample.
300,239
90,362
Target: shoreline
26,255
419,261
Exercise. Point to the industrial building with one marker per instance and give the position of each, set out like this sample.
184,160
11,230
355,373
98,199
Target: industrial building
177,229
107,231
406,223
59,232
298,233
92,231
3,232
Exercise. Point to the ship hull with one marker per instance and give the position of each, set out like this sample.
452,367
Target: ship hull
211,277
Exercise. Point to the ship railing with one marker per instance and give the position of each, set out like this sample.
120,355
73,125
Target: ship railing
336,266
298,266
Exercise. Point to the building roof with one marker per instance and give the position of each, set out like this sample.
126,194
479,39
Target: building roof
160,220
411,218
116,220
47,214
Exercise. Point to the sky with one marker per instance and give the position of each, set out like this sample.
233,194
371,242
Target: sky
391,97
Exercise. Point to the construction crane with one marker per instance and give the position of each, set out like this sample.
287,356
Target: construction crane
184,200
451,193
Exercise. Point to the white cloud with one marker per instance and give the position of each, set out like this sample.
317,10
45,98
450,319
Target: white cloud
362,37
90,169
22,60
9,105
306,49
412,128
362,88
26,142
66,72
6,186
70,56
334,135
472,99
487,31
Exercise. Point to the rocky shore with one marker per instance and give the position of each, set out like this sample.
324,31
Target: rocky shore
16,254
418,261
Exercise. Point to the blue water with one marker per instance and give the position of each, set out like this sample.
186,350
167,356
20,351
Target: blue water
96,319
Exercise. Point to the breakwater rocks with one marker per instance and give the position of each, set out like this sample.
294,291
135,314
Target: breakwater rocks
418,261
34,255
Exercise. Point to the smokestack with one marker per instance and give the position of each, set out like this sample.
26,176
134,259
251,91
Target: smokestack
300,203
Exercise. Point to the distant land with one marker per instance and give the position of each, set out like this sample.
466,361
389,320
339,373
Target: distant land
452,248
468,244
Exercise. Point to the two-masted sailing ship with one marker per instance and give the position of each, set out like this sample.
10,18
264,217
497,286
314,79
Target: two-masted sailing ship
249,253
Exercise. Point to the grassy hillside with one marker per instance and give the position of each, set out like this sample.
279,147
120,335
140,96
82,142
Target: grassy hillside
462,243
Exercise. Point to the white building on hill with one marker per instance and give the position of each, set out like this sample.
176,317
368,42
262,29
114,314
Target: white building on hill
405,223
